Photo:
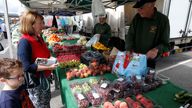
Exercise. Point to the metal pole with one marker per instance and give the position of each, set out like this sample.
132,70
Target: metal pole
169,5
8,29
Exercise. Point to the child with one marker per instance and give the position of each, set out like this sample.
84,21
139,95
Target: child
13,94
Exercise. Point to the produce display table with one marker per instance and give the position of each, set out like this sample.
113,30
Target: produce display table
56,76
163,95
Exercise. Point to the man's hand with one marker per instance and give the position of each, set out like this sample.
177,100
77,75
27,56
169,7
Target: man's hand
130,53
151,54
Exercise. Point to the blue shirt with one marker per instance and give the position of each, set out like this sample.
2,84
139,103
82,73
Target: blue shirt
10,99
24,53
15,98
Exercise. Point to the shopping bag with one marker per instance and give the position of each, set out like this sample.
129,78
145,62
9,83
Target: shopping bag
30,80
137,66
97,8
93,40
130,65
118,64
44,83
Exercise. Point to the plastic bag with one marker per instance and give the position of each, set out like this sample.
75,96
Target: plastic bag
94,98
128,66
81,100
30,80
137,66
120,84
44,83
93,40
103,88
97,8
118,64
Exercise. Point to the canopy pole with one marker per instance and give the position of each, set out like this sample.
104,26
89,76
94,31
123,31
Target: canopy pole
8,29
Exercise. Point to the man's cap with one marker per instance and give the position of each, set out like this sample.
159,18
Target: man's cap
103,16
140,3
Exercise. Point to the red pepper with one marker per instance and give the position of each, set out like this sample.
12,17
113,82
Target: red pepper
126,61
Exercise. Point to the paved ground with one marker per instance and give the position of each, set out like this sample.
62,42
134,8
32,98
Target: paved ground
177,67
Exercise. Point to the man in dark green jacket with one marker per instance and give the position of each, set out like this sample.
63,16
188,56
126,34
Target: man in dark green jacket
103,29
149,32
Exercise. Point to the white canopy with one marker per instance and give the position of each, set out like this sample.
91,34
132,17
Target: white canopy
13,6
12,9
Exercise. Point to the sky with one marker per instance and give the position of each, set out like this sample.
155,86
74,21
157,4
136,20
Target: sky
14,6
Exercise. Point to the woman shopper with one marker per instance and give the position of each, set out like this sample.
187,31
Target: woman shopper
31,46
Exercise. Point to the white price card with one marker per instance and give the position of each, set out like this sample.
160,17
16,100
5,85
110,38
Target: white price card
116,90
104,85
80,97
95,95
120,79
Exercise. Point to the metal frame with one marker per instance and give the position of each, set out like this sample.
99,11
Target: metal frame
72,5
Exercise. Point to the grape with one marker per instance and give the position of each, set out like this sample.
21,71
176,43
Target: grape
95,100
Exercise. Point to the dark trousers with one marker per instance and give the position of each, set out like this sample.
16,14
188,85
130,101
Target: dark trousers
151,63
5,34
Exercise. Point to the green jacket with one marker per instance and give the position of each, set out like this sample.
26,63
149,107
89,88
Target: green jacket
104,30
145,34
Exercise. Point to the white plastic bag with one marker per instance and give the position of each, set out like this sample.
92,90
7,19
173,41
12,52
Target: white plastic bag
93,40
97,8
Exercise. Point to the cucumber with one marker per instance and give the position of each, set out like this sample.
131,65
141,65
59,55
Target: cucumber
183,98
179,94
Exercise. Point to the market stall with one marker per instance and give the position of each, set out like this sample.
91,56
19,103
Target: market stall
68,55
52,38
